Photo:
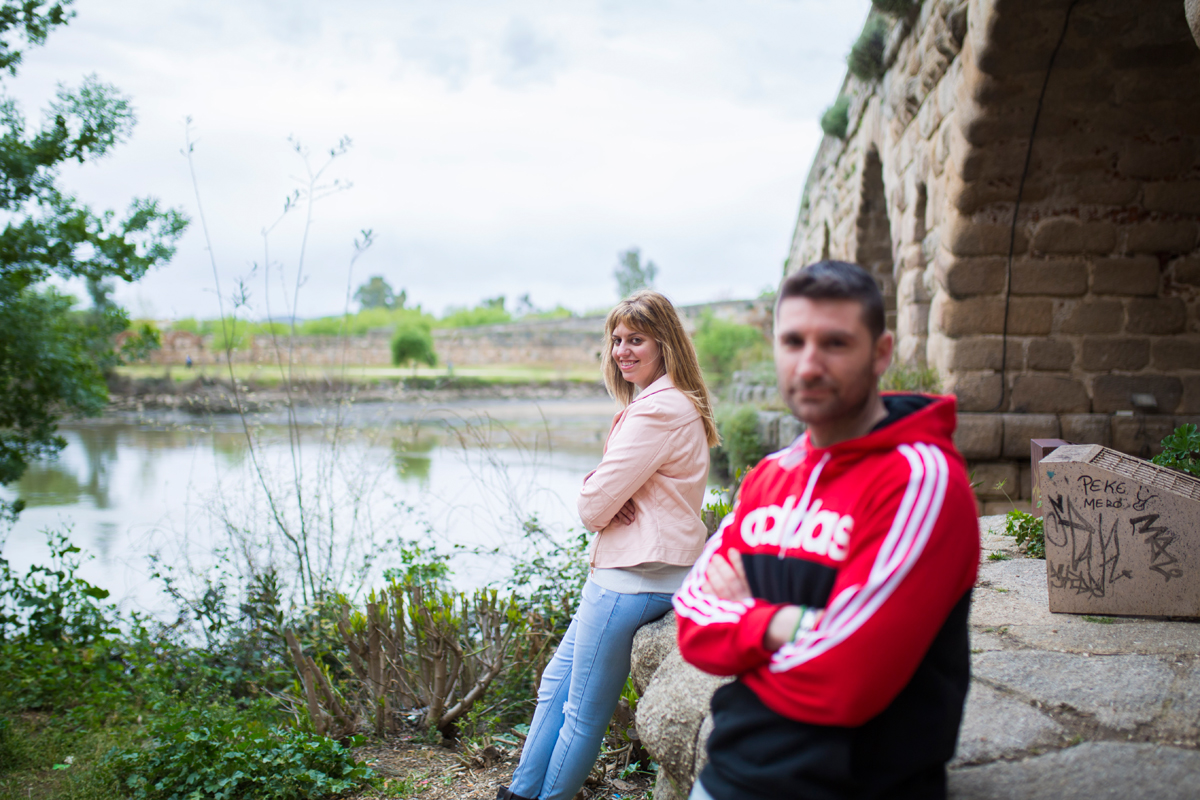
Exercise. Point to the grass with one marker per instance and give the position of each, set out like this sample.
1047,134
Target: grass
998,556
46,760
264,375
1099,620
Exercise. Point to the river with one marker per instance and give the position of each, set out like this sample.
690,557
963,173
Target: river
202,495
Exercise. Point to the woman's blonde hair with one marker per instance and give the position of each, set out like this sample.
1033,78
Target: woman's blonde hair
649,313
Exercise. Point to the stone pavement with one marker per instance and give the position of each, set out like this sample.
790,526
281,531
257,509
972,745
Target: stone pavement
1060,706
1065,706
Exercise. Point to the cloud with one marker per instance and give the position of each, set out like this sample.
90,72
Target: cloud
500,147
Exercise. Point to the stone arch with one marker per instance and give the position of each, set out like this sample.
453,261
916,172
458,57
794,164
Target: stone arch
1104,291
873,233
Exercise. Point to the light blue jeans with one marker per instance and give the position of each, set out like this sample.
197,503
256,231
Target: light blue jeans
580,689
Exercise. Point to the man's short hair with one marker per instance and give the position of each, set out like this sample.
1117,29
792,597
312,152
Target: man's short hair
837,280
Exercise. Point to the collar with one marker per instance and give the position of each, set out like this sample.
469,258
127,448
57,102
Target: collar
659,385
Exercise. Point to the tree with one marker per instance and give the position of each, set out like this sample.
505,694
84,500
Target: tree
631,274
377,293
52,358
412,343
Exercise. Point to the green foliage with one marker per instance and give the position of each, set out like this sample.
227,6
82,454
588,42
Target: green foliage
895,8
1181,450
378,293
900,378
723,346
836,118
740,447
866,55
51,359
1028,531
219,751
632,274
998,556
488,312
412,343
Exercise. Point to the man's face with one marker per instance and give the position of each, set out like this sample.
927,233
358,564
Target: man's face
827,363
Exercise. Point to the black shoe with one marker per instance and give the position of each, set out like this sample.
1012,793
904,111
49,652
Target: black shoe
504,794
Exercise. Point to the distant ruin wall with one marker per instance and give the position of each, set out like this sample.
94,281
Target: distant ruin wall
563,343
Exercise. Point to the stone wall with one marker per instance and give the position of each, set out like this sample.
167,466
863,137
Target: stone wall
1103,299
1100,300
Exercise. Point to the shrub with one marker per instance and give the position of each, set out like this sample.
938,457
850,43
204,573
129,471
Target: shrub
219,751
1181,450
836,118
740,446
895,8
412,343
866,55
489,312
723,345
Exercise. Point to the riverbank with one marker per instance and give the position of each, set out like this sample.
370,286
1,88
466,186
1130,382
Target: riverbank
209,394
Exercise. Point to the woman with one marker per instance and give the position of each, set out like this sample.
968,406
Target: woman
644,503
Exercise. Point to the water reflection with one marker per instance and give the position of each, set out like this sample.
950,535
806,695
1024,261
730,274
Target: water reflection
128,490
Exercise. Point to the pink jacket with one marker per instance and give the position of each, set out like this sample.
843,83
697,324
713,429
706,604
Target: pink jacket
657,454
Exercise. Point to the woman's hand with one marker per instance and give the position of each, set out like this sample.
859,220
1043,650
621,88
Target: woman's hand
726,578
628,512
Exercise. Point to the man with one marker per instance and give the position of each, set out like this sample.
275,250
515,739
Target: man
837,590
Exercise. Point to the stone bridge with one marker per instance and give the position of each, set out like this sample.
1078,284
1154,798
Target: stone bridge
1024,182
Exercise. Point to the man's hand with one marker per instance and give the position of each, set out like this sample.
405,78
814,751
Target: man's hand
727,578
628,512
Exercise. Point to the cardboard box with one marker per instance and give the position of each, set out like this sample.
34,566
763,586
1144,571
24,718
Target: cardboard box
1122,534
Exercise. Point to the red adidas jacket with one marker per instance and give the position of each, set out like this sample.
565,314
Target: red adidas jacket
880,531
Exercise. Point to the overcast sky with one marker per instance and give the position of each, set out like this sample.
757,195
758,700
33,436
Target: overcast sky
498,147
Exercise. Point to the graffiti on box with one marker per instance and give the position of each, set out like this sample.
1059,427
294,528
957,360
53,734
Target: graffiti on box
1112,516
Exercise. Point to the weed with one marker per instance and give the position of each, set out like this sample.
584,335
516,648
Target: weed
1181,450
866,55
1099,620
836,118
998,556
1028,531
1001,590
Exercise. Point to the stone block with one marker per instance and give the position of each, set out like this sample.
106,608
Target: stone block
1174,197
1053,277
1186,270
1086,428
1141,435
1025,484
1160,315
993,478
966,237
1176,352
976,391
1116,543
1019,429
1048,394
1190,402
1149,160
1092,316
1049,354
1030,316
972,315
1161,237
1134,276
968,277
1113,352
970,353
1115,392
1098,191
979,436
1069,235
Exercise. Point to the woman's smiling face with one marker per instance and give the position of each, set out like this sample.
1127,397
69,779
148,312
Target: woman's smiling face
637,355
